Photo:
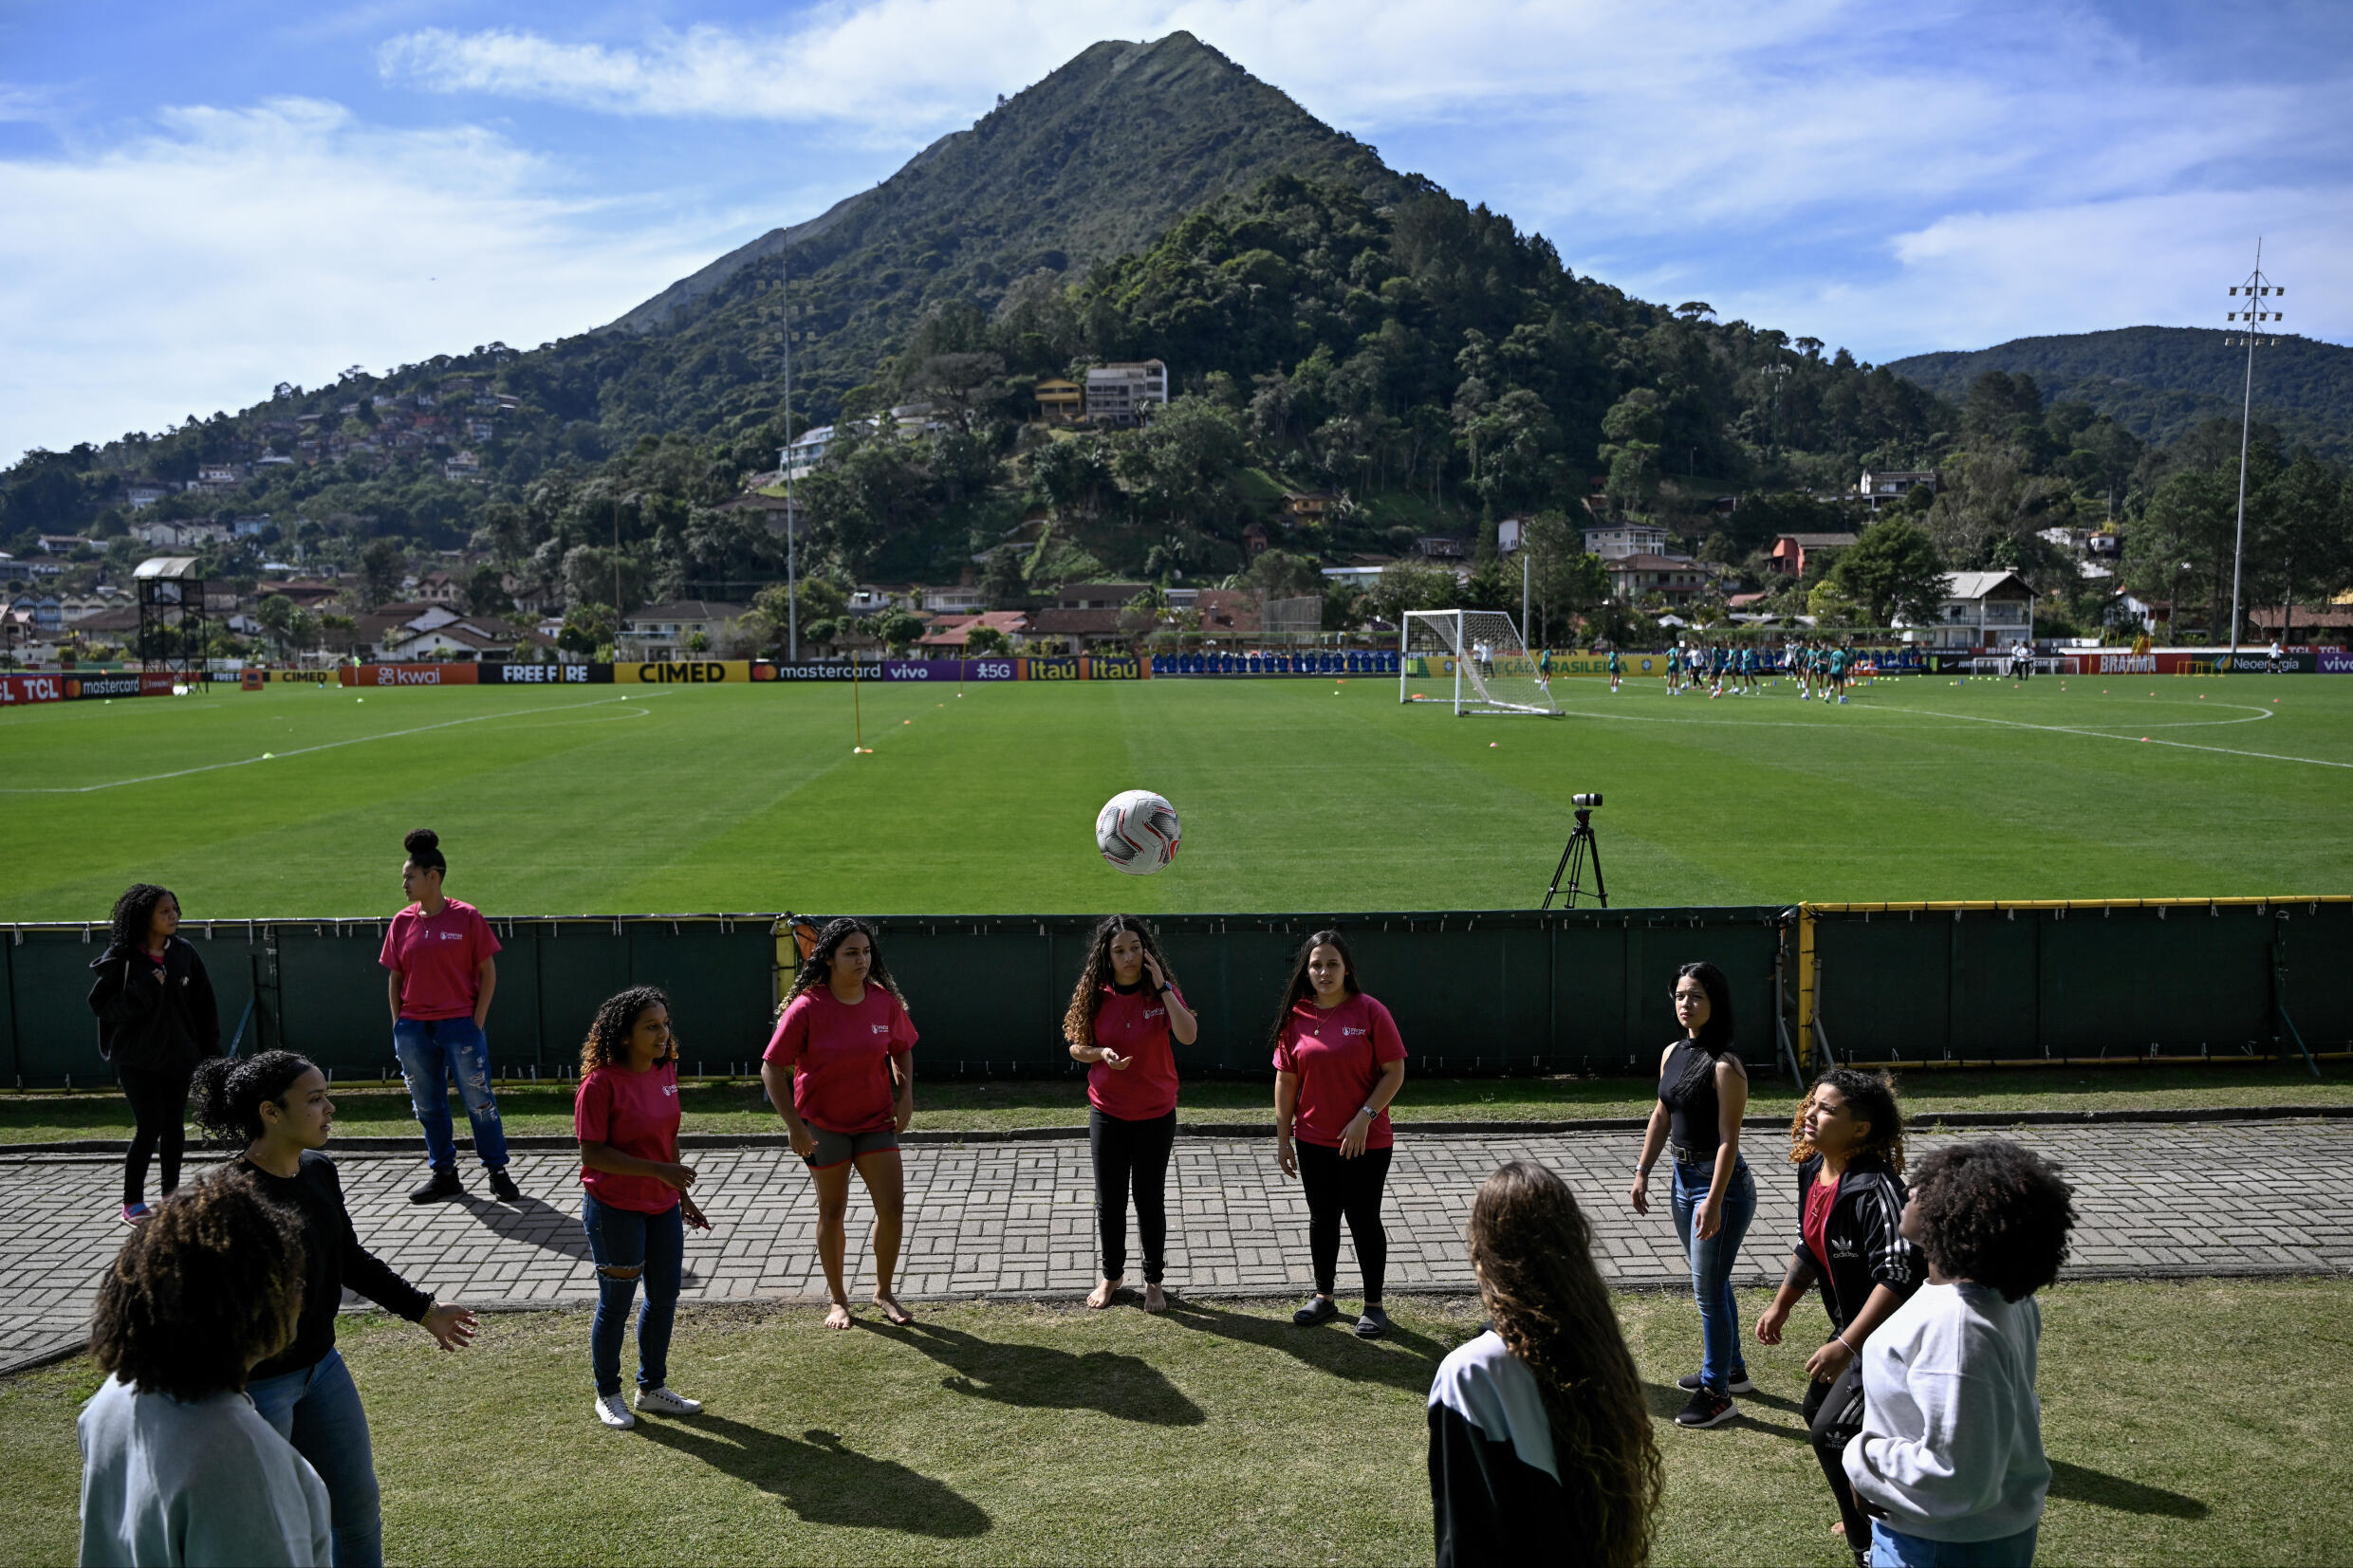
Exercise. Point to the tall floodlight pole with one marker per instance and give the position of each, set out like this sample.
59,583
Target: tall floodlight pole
792,586
2257,288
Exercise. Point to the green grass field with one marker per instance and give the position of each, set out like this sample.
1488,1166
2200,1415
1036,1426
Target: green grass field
1296,795
947,1105
1218,1433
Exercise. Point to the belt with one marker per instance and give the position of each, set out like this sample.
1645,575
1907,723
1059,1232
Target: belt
1683,1155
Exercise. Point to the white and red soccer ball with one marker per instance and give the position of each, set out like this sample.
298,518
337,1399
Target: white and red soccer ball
1137,832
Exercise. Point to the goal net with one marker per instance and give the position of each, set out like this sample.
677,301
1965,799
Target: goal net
1476,661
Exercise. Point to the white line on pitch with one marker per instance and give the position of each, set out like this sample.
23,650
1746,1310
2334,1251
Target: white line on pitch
329,746
2138,740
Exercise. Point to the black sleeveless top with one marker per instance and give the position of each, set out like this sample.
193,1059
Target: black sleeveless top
1687,1086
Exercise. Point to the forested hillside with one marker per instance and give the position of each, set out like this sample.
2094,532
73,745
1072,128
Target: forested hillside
2160,382
1417,362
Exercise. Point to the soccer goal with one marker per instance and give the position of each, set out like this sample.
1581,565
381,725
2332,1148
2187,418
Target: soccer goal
1473,660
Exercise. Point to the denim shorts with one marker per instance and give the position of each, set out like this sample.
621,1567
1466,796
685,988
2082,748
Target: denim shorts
841,1147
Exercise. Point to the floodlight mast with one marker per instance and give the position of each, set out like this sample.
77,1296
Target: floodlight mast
2257,287
784,461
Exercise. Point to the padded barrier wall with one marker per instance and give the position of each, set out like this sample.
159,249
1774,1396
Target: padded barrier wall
1473,993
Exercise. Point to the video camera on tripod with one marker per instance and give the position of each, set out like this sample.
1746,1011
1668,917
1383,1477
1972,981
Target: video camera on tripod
1580,845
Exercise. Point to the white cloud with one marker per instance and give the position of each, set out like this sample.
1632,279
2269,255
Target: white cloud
195,265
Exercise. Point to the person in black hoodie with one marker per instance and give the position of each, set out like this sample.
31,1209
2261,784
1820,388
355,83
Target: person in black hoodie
276,1106
1847,1143
1540,1439
156,1019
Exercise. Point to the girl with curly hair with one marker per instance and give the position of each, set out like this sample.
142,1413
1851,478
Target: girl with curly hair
156,1019
1846,1141
634,1206
839,1069
1540,1439
1123,1014
1950,1461
176,1464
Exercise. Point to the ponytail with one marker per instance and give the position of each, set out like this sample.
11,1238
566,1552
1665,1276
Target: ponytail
227,1092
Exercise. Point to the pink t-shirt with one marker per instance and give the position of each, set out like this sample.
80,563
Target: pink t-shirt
1338,1055
840,1056
1134,1026
638,1114
439,959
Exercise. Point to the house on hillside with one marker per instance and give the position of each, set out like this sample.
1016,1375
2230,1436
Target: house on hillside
1303,507
1885,487
438,587
1124,393
1615,540
948,636
662,631
1060,402
1231,612
1083,631
1981,610
1790,550
1636,576
1097,596
140,494
1254,540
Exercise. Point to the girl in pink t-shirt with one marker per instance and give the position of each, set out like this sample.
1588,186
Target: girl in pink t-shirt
839,1069
1123,1014
1338,1063
635,1209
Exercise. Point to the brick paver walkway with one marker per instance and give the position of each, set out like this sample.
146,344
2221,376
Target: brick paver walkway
1017,1218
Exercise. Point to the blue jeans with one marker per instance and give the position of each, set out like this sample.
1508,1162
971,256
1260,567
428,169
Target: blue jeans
431,1053
1894,1549
318,1410
651,1244
1711,1263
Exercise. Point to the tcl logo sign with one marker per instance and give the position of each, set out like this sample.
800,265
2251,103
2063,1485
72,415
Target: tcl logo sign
15,689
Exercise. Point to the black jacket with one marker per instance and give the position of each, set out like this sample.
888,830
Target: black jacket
1865,1249
1495,1491
332,1260
151,1026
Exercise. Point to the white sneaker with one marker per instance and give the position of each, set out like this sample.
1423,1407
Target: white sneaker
614,1412
663,1402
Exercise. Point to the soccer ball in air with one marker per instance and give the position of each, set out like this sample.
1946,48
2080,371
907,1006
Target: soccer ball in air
1136,832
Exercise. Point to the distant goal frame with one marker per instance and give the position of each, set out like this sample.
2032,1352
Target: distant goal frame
1451,634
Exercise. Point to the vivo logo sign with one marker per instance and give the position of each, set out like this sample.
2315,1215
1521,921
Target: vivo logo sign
2335,664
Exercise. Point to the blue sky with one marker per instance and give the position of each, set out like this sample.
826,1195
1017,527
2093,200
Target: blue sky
198,202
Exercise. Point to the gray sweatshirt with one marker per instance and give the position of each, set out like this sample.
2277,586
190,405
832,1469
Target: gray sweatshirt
1952,1440
200,1483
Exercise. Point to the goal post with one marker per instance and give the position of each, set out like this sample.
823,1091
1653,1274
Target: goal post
1474,661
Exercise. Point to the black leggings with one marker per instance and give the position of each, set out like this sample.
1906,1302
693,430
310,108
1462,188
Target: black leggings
1833,1415
1335,1187
159,1113
1131,1153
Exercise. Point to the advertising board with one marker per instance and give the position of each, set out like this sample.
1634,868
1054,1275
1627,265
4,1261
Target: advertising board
66,686
543,675
453,674
686,673
900,670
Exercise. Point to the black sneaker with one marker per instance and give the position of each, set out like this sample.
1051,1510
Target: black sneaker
1739,1384
1373,1324
1319,1309
503,1185
440,1185
1706,1409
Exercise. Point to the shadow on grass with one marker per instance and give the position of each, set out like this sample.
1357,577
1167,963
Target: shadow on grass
1665,1399
1400,1359
1127,1387
2078,1484
823,1479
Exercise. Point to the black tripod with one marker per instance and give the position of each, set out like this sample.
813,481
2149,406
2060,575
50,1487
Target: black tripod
1581,843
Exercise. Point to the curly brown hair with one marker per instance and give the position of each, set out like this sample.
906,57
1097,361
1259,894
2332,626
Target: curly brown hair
1078,1024
818,966
1995,1213
1872,1098
616,1016
206,1290
1533,1251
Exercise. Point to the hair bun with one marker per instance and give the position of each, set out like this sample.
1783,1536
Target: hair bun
422,841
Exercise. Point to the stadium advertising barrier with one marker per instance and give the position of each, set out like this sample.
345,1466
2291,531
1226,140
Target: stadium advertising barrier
1495,993
1021,666
1306,662
66,685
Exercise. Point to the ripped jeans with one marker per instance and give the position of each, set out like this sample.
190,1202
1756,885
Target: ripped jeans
652,1245
431,1053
